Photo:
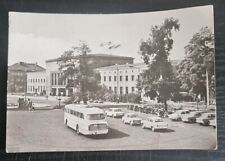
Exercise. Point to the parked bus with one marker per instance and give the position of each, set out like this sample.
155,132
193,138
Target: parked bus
85,119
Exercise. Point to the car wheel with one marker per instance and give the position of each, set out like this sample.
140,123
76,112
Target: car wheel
77,130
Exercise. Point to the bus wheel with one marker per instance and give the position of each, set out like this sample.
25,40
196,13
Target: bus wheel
77,130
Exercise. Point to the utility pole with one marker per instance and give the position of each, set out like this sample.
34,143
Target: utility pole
207,88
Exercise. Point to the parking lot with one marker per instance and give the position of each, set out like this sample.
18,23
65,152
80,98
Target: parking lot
44,130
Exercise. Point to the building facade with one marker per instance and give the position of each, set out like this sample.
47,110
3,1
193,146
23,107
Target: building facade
56,86
17,76
121,79
36,82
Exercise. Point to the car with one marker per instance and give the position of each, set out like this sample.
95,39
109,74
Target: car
205,118
154,123
212,123
114,112
178,114
131,118
191,117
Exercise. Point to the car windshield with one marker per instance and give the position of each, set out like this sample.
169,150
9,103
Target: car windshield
100,116
117,110
158,120
133,116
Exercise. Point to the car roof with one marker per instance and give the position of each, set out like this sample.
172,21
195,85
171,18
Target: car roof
130,113
154,117
84,109
115,108
209,113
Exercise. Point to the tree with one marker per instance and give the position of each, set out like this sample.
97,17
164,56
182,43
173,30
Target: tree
197,69
75,68
158,79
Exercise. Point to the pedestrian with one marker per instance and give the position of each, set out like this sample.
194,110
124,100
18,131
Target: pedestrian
29,104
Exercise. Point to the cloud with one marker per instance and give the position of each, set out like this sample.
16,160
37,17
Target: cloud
30,48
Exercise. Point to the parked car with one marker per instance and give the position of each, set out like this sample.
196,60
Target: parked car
191,117
178,114
204,119
114,112
212,122
131,118
154,123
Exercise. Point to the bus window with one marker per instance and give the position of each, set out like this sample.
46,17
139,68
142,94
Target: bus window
96,116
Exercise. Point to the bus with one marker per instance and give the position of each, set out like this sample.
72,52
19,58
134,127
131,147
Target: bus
85,119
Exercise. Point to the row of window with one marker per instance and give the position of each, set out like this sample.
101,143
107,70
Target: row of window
132,89
56,79
36,90
119,71
121,78
75,113
37,80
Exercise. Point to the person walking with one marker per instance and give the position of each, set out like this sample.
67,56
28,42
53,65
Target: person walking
29,104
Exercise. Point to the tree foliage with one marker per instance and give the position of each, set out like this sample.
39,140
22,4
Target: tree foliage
158,79
75,68
199,58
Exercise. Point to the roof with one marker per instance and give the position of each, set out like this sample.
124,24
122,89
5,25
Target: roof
26,67
124,66
154,117
85,109
96,55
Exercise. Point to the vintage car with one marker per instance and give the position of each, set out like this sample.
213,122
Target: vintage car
154,123
131,118
178,114
114,112
212,123
191,117
204,119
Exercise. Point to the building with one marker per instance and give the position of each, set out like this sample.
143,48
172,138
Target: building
17,76
121,79
36,82
56,86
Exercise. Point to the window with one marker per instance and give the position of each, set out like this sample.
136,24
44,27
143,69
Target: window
110,88
132,77
138,77
132,89
126,77
115,89
114,78
126,90
110,78
121,78
52,79
121,90
104,78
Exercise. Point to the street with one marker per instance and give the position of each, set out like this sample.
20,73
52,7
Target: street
44,130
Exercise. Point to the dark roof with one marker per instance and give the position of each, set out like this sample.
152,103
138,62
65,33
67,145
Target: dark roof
96,55
27,67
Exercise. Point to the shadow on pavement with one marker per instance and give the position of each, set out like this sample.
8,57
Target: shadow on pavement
112,134
165,130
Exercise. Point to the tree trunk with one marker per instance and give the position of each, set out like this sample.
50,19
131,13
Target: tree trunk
165,104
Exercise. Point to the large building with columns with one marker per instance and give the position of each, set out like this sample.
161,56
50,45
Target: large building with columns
56,86
121,79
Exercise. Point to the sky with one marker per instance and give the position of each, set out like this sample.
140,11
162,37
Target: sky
37,37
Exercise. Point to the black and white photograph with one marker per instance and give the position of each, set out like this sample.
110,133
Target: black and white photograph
105,82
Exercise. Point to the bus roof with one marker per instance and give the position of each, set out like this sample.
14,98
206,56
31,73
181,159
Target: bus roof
86,109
